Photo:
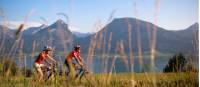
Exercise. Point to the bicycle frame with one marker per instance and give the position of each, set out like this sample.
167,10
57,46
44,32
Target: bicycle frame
81,71
48,71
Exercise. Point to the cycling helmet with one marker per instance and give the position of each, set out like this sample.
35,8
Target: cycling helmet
48,48
77,47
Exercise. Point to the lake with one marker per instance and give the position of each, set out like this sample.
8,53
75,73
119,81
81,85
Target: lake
97,64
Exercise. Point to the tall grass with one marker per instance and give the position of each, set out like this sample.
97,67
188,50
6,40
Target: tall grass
116,80
108,52
108,77
5,23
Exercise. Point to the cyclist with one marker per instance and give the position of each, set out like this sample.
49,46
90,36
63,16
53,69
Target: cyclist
74,55
39,62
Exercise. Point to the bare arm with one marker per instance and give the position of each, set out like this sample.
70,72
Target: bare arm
81,62
47,62
78,60
51,58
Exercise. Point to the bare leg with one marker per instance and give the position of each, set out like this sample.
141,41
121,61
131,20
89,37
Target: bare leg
39,70
40,74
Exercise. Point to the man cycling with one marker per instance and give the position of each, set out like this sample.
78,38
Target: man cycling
39,62
74,55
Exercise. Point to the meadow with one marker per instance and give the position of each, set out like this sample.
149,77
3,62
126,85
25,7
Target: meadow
187,79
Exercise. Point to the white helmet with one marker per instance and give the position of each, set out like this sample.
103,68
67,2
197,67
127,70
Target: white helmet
48,48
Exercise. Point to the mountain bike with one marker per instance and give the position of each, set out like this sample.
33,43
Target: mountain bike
49,71
81,71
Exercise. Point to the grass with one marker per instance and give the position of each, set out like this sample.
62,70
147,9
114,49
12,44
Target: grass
103,80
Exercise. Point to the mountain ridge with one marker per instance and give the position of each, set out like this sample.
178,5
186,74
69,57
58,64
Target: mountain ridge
59,34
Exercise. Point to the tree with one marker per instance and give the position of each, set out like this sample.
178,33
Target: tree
10,68
176,64
190,67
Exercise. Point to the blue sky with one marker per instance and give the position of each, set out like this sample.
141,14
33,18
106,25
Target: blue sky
83,14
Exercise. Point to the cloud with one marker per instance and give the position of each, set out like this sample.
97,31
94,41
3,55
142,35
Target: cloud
73,28
16,24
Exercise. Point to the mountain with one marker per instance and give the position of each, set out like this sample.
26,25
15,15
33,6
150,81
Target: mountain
166,41
56,35
59,36
188,31
6,38
33,30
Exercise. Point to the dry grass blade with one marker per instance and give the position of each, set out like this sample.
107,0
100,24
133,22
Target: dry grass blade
104,51
44,20
139,43
65,15
104,35
148,27
99,44
131,54
112,67
63,39
196,43
33,50
111,16
108,53
5,23
92,47
19,29
153,43
21,55
25,21
154,35
120,48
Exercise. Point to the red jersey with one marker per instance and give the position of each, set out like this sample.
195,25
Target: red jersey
72,55
41,57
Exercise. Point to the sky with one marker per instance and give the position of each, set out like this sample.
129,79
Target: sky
81,15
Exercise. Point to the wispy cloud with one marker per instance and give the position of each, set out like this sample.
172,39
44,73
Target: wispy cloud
16,24
73,28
